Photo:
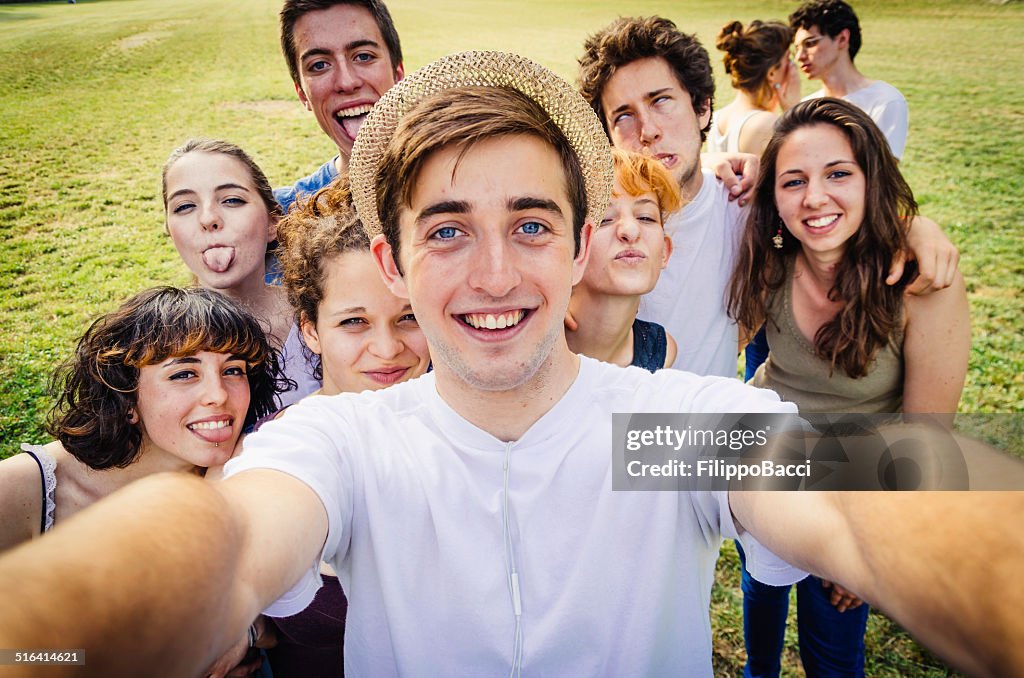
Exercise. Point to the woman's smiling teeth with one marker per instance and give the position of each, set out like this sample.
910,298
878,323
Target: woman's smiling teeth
820,222
490,321
209,425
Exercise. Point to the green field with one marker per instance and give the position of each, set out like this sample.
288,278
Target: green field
95,95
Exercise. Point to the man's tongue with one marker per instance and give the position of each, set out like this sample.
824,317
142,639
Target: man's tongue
218,259
352,125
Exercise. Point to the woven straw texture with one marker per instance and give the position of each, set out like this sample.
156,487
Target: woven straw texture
566,107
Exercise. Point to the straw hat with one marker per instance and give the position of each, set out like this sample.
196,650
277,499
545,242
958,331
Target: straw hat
574,117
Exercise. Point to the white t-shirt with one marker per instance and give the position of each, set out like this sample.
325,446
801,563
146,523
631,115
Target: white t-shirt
612,583
886,106
297,368
690,297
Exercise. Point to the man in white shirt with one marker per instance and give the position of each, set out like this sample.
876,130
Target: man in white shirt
826,42
652,87
470,513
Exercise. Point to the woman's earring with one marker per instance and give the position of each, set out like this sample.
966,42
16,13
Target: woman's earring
777,238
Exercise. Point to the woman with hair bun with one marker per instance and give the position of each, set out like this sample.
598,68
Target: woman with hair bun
167,382
766,83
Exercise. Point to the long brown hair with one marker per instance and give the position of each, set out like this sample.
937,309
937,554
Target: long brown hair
871,310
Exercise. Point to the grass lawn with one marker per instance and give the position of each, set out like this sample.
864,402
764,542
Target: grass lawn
97,94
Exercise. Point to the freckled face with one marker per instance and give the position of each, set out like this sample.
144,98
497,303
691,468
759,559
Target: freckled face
366,337
488,258
217,220
192,409
629,249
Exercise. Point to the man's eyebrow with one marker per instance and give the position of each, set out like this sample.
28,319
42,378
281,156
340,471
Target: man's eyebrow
531,203
649,95
323,51
443,207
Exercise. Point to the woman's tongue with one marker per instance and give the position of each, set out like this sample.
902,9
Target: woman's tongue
218,259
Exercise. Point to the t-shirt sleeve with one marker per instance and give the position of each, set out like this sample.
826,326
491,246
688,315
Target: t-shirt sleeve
893,119
307,443
762,564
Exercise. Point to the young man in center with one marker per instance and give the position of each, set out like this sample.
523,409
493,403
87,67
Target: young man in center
470,513
652,88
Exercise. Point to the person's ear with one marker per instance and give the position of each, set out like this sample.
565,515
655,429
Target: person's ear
272,228
843,39
302,97
309,333
667,254
579,263
399,72
383,256
704,115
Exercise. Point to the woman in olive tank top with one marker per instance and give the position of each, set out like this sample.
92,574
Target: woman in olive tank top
830,213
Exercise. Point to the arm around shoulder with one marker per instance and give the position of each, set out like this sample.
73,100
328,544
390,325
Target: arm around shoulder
936,348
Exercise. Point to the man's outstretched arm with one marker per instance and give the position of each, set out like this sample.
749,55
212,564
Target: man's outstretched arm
945,565
162,576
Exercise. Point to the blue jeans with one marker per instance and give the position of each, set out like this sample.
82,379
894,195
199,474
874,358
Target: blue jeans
831,642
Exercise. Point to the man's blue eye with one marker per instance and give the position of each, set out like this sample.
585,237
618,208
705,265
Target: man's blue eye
532,228
446,232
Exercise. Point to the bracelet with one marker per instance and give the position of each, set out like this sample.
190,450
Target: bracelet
252,635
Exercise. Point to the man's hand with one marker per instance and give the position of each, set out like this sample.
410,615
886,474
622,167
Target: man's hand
738,171
841,599
937,258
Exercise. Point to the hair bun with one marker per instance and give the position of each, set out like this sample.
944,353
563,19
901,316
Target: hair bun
730,34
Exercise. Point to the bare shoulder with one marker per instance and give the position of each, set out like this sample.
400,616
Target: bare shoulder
757,132
671,349
21,500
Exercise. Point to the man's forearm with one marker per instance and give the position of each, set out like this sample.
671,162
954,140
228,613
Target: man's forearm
138,599
947,566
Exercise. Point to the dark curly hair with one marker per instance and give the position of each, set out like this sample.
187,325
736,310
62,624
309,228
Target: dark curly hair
751,51
630,39
96,388
315,231
872,310
831,17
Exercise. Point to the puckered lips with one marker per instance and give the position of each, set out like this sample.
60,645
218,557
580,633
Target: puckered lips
351,118
669,160
630,256
218,258
214,429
